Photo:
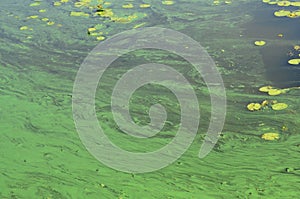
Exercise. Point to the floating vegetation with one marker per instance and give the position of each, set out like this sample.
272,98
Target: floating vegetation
270,136
217,2
284,12
91,30
253,106
296,47
57,3
284,3
88,3
79,14
52,57
45,19
129,5
294,61
279,106
24,28
266,104
105,13
100,38
33,17
145,5
296,3
260,43
97,8
265,88
167,2
271,90
280,35
124,19
50,23
37,3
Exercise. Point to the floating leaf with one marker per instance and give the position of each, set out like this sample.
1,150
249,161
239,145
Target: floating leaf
129,5
279,106
167,2
273,92
35,3
294,61
265,88
282,13
253,106
45,19
24,28
33,17
260,43
57,3
145,5
50,23
100,38
270,136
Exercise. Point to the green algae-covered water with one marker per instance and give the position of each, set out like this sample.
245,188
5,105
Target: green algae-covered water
43,46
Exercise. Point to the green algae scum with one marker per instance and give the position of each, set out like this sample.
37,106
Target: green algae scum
255,46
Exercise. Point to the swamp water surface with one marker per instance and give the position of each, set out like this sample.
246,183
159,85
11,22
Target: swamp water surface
43,46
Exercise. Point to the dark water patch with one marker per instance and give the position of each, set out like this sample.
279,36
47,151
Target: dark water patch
275,57
266,25
278,70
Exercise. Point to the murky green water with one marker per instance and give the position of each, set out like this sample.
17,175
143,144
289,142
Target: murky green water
42,155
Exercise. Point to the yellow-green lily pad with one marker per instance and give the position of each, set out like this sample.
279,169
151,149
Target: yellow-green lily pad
294,61
279,106
260,43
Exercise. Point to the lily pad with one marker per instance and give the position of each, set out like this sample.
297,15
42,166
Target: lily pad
279,106
260,43
270,136
294,61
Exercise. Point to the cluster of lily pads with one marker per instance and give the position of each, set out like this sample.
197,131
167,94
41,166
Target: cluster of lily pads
274,104
285,12
269,104
94,8
103,11
43,19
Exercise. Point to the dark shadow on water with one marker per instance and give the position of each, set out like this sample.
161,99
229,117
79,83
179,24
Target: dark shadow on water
266,26
278,70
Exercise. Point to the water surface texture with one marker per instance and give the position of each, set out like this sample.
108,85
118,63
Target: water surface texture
43,44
